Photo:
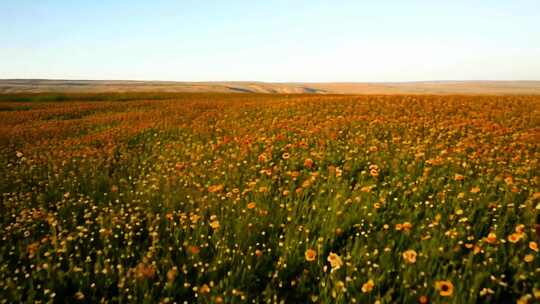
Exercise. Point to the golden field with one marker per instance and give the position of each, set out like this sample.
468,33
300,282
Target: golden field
253,198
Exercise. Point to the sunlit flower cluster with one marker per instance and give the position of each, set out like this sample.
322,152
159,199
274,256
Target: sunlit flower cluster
242,198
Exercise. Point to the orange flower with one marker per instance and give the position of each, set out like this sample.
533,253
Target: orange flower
407,226
171,274
145,271
374,172
423,300
445,288
194,249
215,224
514,237
475,190
251,205
335,261
205,288
308,163
491,238
285,155
310,255
215,188
368,286
459,177
533,246
258,252
529,258
409,256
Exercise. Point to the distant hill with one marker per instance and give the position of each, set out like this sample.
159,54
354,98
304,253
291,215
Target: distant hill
8,86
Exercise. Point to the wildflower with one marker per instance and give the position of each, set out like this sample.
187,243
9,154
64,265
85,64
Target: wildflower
459,177
285,155
523,299
368,286
406,226
423,300
251,205
445,288
145,271
19,154
409,256
486,291
258,253
262,158
215,188
171,274
475,190
533,246
311,255
194,249
529,258
79,296
205,289
491,238
335,261
536,293
215,224
32,249
308,163
514,237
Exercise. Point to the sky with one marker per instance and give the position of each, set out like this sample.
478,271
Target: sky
273,40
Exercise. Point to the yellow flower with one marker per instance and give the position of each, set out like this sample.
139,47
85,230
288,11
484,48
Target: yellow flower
533,246
310,255
368,286
335,261
529,258
215,224
409,256
445,288
286,155
475,190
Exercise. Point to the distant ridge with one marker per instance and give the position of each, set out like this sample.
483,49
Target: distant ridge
12,86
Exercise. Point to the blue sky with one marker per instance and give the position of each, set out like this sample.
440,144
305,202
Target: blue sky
270,40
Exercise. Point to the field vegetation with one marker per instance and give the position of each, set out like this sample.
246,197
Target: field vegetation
254,198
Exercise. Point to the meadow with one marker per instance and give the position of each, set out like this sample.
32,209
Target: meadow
259,198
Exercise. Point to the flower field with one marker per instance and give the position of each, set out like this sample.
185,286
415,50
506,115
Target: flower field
253,198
